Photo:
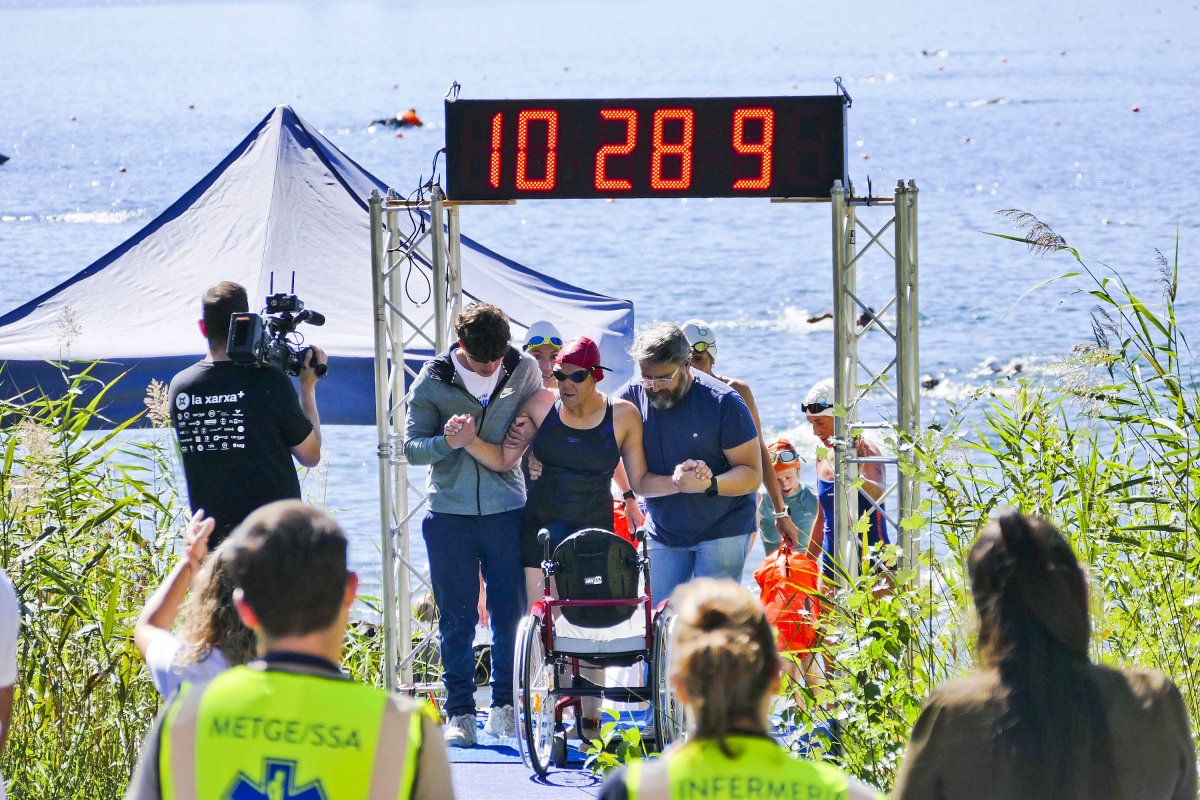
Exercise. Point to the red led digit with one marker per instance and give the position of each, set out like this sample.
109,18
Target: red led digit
495,162
551,120
630,117
683,148
761,149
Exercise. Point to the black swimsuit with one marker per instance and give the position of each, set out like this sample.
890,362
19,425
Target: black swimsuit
574,489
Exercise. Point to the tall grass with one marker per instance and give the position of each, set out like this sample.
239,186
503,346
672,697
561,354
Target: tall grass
85,529
1106,447
90,522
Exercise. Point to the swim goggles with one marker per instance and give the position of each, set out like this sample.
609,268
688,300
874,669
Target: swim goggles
784,457
538,341
577,377
815,408
701,347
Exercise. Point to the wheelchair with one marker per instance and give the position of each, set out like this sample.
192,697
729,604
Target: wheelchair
601,618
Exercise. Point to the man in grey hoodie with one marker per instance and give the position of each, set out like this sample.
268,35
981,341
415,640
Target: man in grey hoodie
474,518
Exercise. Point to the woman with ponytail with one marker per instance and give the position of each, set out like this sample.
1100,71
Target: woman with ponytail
724,669
1039,720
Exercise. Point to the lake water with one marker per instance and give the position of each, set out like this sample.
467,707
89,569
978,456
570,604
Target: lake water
1081,113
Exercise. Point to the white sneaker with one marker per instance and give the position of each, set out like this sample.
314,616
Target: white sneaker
501,722
460,731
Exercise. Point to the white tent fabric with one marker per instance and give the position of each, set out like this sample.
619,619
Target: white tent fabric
284,200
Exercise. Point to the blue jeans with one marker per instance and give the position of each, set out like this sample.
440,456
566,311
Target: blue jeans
459,546
718,558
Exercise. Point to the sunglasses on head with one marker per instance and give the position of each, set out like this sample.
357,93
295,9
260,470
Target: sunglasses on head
577,377
784,457
701,347
815,408
538,341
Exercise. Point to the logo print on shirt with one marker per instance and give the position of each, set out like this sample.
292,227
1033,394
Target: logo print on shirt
278,783
183,401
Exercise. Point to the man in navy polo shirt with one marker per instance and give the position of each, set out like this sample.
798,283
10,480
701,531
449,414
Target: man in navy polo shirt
700,431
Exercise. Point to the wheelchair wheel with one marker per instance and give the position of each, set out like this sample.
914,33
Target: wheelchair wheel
668,711
534,697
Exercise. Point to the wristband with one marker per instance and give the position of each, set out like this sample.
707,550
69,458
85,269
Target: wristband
781,514
628,494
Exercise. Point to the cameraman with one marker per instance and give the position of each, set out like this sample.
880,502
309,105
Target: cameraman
239,427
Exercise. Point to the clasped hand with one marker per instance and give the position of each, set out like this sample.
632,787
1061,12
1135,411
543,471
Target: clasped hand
692,476
459,430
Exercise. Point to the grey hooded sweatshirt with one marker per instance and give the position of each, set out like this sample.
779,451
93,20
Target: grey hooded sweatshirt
457,483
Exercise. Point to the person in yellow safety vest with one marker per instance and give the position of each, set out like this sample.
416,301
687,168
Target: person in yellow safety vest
724,669
291,725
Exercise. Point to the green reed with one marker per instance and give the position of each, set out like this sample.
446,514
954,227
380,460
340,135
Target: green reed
1106,447
85,532
90,523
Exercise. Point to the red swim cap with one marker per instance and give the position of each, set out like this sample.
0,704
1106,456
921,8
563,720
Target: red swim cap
582,352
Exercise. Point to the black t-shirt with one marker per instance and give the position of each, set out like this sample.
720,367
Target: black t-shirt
236,426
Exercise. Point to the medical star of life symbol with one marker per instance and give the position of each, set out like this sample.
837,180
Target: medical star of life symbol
278,783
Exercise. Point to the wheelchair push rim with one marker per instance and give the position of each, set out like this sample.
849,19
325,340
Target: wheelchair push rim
534,697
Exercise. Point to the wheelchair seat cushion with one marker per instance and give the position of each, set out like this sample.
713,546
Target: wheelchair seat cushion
596,564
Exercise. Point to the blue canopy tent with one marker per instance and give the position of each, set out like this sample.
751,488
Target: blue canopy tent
284,200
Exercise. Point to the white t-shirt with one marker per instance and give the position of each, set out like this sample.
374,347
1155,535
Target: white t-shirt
9,622
481,388
166,675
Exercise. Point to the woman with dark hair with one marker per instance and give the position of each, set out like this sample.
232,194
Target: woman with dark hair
724,669
1039,719
212,637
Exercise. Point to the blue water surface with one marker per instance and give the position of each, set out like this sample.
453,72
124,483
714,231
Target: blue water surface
1081,113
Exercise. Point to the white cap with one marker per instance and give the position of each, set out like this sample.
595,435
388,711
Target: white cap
820,394
696,331
544,329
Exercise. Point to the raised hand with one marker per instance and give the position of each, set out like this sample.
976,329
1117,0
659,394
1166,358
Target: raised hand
195,538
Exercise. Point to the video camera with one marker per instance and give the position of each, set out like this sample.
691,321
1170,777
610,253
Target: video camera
265,340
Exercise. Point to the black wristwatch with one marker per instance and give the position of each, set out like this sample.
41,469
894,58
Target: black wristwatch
711,491
628,494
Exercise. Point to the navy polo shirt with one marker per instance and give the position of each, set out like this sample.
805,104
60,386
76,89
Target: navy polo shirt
710,419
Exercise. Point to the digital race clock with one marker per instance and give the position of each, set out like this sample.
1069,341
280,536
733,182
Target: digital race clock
675,147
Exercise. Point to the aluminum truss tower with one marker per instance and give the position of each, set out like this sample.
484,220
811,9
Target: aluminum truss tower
891,391
398,249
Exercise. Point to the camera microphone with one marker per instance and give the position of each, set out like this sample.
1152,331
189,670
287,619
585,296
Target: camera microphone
311,317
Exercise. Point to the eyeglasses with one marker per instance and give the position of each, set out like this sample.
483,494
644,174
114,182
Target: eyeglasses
784,457
538,341
701,347
815,408
578,377
654,383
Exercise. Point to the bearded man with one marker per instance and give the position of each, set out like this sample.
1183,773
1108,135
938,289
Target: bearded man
700,431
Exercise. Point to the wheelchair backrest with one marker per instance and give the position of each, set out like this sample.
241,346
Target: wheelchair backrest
596,564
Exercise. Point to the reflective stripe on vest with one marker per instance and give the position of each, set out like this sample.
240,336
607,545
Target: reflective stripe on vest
760,770
276,735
